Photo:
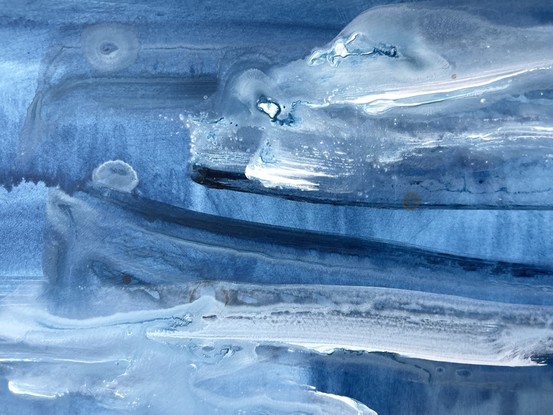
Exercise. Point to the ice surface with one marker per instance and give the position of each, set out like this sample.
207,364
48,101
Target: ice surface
126,288
110,47
407,99
115,175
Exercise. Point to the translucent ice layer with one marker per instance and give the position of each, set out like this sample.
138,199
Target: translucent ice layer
365,295
129,296
126,288
111,251
440,328
110,364
408,106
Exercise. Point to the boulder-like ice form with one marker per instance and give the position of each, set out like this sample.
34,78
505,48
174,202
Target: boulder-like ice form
406,99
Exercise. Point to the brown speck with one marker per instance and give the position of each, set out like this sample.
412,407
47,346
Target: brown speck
127,279
226,296
411,201
454,76
192,295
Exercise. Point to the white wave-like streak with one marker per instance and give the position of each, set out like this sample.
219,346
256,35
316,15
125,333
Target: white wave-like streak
212,342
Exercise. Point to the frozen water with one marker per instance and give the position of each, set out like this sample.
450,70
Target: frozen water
406,99
116,175
126,288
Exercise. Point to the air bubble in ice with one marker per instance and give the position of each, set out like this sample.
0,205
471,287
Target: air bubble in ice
110,47
115,175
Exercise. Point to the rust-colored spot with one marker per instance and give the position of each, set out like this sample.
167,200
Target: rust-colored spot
127,279
226,295
411,201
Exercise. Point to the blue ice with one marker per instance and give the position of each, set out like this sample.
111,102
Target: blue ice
134,279
408,105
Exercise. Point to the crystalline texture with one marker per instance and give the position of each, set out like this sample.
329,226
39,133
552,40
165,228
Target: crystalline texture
406,100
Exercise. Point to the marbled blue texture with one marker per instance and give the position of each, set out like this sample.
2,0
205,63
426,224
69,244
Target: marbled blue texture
126,287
